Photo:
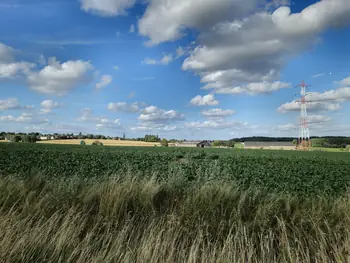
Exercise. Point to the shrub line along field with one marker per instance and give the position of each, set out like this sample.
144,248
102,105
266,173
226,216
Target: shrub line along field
78,204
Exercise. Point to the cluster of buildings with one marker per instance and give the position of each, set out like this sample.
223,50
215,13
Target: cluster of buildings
46,137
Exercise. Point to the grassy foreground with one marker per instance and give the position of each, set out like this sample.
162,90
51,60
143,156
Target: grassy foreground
66,203
133,219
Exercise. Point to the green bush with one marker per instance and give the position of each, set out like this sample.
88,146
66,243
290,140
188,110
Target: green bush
164,143
29,138
97,143
14,138
217,143
319,142
231,144
82,142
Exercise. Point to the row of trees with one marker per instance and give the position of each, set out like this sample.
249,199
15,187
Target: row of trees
152,138
264,139
325,142
57,136
331,142
17,136
22,138
230,143
330,139
81,136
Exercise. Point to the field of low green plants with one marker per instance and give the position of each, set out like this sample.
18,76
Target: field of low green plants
291,172
65,203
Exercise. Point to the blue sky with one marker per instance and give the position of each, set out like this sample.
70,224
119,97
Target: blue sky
190,69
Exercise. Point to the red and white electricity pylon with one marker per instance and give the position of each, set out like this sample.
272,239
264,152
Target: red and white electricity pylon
304,142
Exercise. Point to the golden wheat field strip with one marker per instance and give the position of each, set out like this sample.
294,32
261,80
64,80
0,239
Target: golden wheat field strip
105,142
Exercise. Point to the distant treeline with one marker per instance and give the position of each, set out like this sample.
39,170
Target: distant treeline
326,141
264,139
331,142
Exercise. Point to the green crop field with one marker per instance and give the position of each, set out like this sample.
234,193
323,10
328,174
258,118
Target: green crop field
72,203
302,173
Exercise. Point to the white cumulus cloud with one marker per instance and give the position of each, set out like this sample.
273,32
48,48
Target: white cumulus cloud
107,7
256,48
12,104
165,60
87,115
9,67
59,78
251,88
217,113
339,95
166,20
317,75
287,127
318,118
155,114
180,51
207,100
6,53
154,127
217,124
312,106
107,124
12,70
124,107
24,118
104,81
320,101
345,82
48,105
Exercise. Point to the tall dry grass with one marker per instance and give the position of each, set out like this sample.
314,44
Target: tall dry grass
130,219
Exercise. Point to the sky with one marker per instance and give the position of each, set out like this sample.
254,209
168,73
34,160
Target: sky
185,69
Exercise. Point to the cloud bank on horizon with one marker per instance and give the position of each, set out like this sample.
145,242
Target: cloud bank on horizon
195,68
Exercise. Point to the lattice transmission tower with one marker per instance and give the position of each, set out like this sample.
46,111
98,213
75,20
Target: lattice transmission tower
304,142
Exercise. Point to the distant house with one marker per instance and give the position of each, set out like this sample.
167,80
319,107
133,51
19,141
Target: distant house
187,144
268,145
46,138
194,144
204,144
